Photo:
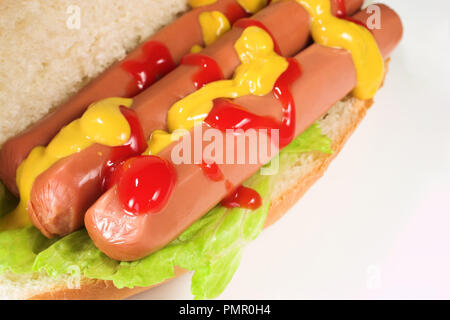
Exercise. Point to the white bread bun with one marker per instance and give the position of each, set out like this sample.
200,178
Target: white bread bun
45,58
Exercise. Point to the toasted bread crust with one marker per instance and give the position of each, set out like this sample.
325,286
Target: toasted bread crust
96,290
105,290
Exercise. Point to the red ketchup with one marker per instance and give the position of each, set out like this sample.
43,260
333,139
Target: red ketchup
146,182
243,197
341,13
227,115
212,171
135,146
145,185
209,70
245,23
234,12
155,61
282,91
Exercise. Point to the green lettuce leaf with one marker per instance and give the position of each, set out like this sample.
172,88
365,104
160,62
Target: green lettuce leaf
19,248
311,139
75,252
212,247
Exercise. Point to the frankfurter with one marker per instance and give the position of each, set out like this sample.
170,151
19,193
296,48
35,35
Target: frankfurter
328,75
305,89
170,45
61,195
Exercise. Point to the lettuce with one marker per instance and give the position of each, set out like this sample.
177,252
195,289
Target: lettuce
212,247
311,139
19,248
75,252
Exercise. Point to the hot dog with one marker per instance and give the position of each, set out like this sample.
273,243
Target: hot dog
61,195
327,76
169,44
152,199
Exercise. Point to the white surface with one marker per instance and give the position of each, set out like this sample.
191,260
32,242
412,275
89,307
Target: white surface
377,225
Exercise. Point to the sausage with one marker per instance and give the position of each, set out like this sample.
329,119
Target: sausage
52,210
178,38
327,76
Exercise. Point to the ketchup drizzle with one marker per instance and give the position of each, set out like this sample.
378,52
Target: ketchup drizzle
247,22
212,171
209,69
226,115
341,9
145,184
282,91
243,197
155,61
341,13
158,175
235,12
135,146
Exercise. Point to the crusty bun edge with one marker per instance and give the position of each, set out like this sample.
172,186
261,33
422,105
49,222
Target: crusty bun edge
105,290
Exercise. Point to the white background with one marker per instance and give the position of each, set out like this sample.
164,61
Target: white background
378,224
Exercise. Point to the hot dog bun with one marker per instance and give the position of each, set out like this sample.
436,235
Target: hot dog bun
338,124
37,46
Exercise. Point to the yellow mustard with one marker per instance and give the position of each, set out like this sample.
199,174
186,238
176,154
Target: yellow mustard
330,31
252,6
200,3
214,24
196,49
260,68
102,123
